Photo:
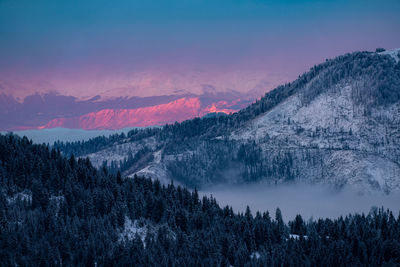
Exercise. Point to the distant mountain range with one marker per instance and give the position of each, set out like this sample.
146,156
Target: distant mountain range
337,124
52,110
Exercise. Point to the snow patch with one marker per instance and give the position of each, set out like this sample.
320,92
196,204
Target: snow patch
394,53
22,196
255,255
131,228
297,237
141,228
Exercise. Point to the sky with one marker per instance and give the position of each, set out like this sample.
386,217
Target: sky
158,47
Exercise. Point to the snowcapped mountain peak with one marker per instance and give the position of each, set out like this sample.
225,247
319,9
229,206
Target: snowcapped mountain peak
394,53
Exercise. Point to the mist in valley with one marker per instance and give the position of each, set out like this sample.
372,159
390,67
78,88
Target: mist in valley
311,201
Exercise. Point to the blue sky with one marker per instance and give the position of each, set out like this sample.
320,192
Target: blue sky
73,42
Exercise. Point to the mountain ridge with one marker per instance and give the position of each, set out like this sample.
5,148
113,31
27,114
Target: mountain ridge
336,124
52,110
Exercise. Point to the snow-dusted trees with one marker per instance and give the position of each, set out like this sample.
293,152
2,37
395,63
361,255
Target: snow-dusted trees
82,220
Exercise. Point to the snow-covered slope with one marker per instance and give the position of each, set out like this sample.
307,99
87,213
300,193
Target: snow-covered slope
357,150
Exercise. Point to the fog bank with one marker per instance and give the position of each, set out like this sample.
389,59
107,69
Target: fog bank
309,201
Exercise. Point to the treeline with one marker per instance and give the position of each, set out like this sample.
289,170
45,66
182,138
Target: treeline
58,211
79,148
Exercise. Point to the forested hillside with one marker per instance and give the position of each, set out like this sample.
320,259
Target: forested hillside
337,124
61,211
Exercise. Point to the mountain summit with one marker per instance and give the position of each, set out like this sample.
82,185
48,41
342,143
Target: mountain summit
338,124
